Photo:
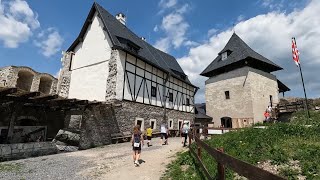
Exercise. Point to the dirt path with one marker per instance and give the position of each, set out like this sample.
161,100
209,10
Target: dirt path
108,162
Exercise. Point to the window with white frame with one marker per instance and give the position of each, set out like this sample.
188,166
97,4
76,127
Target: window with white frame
153,123
224,56
140,122
170,123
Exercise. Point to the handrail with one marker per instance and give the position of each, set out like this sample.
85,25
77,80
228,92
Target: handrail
242,168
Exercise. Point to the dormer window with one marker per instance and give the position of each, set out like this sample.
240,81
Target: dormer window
224,56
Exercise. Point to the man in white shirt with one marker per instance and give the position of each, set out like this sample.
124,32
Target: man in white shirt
164,134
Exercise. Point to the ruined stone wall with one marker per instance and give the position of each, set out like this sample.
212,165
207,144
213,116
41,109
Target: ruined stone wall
96,126
9,77
64,79
24,150
128,112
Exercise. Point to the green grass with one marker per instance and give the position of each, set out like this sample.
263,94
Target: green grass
10,167
280,143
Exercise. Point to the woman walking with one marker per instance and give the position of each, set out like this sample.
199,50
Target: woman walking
137,142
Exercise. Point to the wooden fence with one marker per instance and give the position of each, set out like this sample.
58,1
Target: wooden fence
224,160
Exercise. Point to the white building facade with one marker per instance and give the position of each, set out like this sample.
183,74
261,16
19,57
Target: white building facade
107,62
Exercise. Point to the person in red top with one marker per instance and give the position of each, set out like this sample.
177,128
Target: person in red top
267,116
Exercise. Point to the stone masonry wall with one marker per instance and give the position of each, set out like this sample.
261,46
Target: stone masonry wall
112,77
9,77
96,126
24,150
64,79
240,103
127,112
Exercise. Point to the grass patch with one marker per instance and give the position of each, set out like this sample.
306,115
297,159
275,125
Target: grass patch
10,167
280,144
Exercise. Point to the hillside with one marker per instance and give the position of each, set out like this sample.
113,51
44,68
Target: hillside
291,150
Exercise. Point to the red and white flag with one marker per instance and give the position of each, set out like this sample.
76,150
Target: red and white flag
295,52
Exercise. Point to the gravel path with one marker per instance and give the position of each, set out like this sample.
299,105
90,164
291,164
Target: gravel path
107,162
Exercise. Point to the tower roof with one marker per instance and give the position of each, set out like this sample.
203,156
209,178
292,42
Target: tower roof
239,54
124,39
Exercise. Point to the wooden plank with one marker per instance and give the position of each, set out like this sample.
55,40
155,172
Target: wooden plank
6,91
242,168
28,94
45,98
205,170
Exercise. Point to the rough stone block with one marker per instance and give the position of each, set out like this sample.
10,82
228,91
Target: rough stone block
6,150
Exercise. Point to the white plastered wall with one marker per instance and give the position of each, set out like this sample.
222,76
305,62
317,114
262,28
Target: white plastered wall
90,64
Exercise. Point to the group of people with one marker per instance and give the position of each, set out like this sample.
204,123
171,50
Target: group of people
137,138
267,114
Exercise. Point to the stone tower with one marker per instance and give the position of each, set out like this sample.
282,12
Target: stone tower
240,85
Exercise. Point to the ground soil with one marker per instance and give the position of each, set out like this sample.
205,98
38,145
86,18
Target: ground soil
107,162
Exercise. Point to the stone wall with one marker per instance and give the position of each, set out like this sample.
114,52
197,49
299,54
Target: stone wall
96,126
249,95
112,76
127,112
240,103
64,79
24,150
9,77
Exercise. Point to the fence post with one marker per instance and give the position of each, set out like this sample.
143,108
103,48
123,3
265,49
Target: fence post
199,151
221,169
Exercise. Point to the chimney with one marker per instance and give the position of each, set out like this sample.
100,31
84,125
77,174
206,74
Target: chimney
144,39
121,17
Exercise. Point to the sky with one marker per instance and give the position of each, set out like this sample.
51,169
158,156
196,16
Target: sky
34,33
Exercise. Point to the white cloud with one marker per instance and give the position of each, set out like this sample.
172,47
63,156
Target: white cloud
155,29
167,3
240,18
212,31
270,35
175,27
17,20
50,42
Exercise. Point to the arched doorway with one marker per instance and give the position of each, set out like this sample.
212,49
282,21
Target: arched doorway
25,79
45,84
226,122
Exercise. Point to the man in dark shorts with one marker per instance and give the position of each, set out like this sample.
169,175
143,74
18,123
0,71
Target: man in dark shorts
164,134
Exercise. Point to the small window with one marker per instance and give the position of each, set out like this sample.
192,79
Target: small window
271,99
153,91
187,102
171,97
224,56
153,124
227,93
170,124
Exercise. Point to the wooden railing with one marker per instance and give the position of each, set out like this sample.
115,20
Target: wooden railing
224,160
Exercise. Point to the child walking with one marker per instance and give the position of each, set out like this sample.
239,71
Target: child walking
137,142
149,136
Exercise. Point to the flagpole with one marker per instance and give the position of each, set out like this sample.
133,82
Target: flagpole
305,94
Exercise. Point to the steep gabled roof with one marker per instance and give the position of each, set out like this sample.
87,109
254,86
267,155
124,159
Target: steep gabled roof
123,38
239,54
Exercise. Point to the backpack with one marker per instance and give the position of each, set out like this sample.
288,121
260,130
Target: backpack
136,140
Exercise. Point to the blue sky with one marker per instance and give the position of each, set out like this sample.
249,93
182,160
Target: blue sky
33,33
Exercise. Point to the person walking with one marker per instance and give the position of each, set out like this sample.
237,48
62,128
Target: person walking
137,142
164,134
266,116
184,133
149,135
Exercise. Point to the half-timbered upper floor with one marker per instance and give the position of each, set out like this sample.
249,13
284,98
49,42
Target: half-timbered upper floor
108,58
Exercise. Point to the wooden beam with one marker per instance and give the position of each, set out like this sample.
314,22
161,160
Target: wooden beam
28,94
6,91
45,98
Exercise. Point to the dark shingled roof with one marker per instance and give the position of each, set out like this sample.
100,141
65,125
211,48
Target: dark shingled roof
239,54
201,111
123,38
282,87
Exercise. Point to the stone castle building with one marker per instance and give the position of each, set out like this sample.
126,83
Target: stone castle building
240,85
109,63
